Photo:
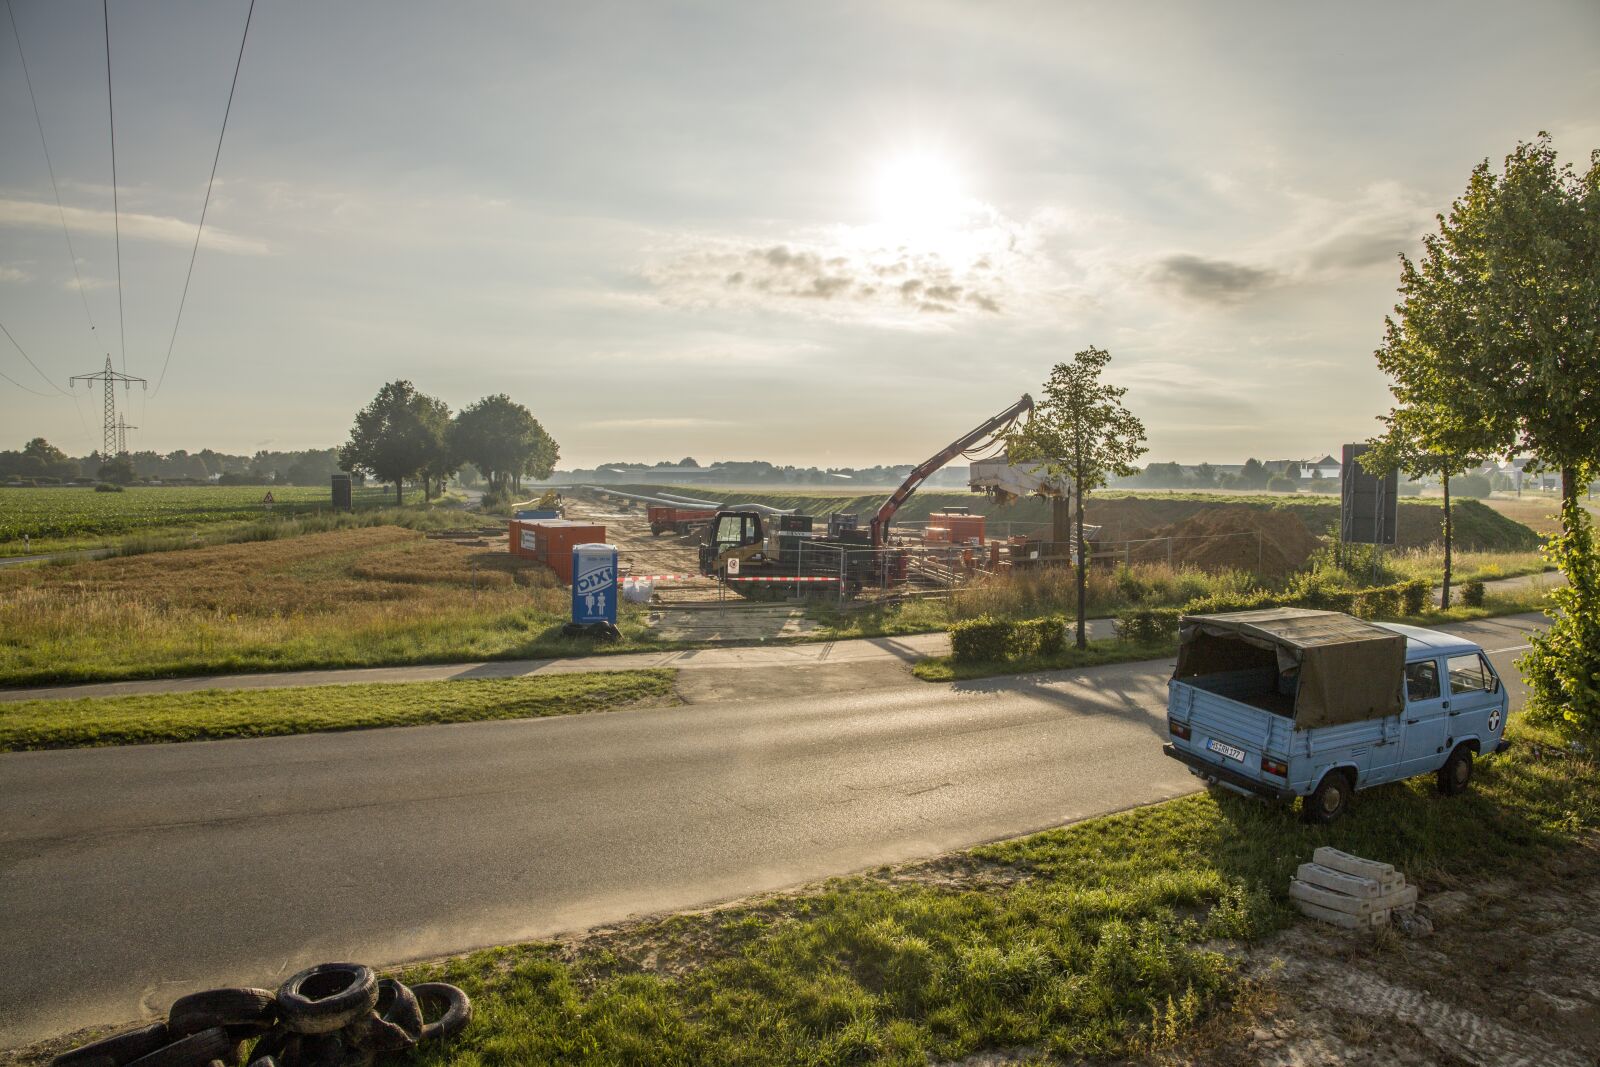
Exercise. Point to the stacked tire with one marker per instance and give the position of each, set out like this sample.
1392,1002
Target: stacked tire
330,1015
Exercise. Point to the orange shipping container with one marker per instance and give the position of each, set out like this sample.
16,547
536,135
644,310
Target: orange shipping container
962,528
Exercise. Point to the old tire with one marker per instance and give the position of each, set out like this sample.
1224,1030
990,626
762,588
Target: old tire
393,1025
242,1010
327,997
195,1050
456,1008
1329,800
117,1049
1456,772
280,1044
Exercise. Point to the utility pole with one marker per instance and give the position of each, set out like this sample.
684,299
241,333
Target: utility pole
109,425
122,434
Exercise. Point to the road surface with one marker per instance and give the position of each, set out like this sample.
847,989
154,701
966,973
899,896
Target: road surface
129,876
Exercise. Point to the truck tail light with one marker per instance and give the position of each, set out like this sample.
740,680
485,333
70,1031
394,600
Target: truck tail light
1178,729
1272,766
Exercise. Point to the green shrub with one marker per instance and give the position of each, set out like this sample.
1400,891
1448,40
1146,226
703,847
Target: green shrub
1148,625
1042,637
1472,594
1223,602
107,487
1280,484
1475,486
981,640
1378,602
1410,489
1414,596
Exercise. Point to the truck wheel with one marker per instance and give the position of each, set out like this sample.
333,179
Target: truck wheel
1329,800
1456,772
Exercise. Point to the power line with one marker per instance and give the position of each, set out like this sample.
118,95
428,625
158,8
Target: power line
49,166
116,210
237,63
19,385
32,364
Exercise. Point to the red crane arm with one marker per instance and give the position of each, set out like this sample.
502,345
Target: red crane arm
880,521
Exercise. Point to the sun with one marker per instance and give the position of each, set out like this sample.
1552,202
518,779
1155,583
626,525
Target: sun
918,195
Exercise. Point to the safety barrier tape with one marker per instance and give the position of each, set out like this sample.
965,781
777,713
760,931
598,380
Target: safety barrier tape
659,577
777,578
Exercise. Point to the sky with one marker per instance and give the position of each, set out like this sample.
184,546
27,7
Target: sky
827,233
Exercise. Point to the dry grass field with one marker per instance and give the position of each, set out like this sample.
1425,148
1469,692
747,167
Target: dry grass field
357,597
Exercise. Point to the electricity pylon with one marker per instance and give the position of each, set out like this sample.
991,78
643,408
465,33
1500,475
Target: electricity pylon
110,377
122,434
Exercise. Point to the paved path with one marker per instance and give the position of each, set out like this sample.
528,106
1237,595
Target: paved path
129,876
886,650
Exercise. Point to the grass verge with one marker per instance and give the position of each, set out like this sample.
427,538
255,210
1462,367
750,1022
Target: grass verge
1116,936
216,713
1099,653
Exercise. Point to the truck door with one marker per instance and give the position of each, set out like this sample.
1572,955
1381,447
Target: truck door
1425,720
1474,696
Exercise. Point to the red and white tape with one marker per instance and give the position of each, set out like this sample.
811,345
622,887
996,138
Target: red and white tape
775,578
658,577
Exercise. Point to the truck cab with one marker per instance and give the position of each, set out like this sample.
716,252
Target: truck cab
1289,702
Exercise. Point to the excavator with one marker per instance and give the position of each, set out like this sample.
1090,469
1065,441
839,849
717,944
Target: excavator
764,549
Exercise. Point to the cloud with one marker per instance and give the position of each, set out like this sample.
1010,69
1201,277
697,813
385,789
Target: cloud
1215,281
13,274
33,214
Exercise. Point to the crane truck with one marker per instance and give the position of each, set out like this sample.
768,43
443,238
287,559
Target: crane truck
769,551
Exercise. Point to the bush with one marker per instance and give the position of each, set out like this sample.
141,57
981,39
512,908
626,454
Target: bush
1221,602
1280,484
1563,667
1377,602
1472,594
1414,596
981,640
497,502
107,487
1409,489
1470,485
1148,625
1040,637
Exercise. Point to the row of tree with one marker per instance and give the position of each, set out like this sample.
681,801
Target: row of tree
1494,350
405,435
43,463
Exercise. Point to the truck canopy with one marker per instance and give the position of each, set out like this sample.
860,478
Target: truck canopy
1348,670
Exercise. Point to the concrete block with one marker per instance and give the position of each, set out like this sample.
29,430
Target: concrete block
1349,884
1382,873
1371,920
1332,900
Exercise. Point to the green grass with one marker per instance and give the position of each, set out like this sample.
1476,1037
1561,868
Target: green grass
1110,937
1099,653
217,713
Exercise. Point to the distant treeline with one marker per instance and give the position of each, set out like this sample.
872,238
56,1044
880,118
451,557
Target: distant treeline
41,463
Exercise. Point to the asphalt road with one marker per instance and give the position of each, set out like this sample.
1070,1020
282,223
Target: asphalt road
130,876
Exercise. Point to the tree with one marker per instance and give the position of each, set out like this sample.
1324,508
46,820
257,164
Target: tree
394,437
1205,475
1422,442
1499,321
118,471
503,440
1081,432
1254,475
1563,666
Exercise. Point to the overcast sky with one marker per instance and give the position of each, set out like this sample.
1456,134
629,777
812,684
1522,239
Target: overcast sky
812,233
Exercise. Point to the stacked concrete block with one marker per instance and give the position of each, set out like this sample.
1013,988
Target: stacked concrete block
1349,891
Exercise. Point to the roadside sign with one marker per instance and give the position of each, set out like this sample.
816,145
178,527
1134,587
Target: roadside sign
594,584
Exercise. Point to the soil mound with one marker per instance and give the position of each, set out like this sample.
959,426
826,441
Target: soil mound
1237,538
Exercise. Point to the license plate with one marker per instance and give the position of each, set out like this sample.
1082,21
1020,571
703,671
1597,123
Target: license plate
1226,750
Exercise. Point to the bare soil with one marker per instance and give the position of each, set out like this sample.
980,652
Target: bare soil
1511,976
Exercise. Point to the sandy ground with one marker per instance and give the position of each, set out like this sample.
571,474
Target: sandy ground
1511,976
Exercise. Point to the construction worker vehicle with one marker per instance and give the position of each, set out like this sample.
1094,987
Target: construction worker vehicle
764,550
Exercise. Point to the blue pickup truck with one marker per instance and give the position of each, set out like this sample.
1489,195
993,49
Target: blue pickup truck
1289,702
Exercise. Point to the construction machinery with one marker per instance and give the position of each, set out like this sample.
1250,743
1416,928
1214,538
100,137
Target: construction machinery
765,551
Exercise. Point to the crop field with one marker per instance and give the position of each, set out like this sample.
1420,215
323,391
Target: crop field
74,513
357,597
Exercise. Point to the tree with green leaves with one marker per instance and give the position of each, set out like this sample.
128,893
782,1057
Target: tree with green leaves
1080,432
396,436
503,440
1424,443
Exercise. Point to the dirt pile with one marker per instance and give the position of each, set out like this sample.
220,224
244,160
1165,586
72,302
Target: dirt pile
1241,538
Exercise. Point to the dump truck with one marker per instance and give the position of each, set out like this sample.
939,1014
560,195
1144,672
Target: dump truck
680,520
